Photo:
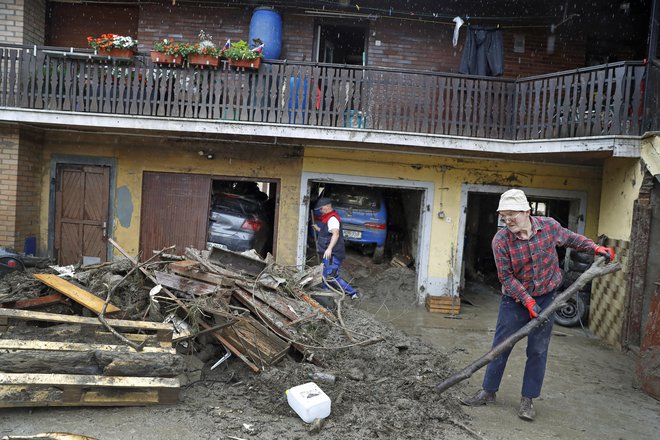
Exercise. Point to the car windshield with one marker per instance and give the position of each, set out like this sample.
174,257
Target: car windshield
354,197
237,204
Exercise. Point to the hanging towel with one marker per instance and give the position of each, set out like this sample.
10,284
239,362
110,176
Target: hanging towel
459,22
483,53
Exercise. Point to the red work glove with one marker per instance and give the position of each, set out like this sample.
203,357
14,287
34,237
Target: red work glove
606,252
533,308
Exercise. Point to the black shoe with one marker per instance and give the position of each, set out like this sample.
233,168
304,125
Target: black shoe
481,398
526,411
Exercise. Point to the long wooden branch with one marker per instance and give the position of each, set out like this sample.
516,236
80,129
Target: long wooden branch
597,269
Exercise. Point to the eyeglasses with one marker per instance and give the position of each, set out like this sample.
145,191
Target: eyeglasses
506,218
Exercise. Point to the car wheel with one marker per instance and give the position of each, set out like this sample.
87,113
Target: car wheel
379,254
572,312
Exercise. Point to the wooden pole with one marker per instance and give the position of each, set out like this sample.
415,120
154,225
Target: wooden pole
597,269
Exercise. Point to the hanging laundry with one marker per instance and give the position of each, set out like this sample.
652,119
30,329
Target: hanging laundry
459,22
483,53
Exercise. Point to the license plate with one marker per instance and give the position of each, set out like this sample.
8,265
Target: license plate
352,234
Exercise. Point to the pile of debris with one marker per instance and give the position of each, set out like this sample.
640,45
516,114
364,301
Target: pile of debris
184,323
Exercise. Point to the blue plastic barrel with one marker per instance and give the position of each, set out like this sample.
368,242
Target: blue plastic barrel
266,24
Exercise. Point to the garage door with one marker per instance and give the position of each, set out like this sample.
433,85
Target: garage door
174,212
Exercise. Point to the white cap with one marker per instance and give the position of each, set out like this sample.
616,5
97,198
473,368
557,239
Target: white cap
513,200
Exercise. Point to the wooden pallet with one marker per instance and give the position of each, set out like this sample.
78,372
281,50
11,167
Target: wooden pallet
45,372
27,389
255,341
450,305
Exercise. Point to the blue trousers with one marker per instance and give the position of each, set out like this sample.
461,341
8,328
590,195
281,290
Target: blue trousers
512,317
331,273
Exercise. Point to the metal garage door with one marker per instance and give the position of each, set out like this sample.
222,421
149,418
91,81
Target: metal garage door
174,211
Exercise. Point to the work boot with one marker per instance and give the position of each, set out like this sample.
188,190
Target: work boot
526,411
482,397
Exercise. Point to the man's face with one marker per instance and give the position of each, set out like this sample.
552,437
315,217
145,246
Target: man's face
515,220
325,208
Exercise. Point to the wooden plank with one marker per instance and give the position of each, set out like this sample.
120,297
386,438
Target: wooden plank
21,344
72,319
272,300
35,302
184,284
79,295
210,278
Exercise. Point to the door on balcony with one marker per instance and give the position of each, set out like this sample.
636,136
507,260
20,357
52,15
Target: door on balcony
81,214
340,43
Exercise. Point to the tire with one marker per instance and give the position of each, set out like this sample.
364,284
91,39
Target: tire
577,266
379,254
582,257
572,313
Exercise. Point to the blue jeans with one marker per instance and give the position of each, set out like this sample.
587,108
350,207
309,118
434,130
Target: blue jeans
331,273
512,317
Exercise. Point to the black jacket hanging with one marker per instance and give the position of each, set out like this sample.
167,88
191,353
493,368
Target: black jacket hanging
483,53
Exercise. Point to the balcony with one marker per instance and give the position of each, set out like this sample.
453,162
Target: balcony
603,100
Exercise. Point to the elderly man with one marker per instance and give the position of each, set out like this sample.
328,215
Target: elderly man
528,269
330,245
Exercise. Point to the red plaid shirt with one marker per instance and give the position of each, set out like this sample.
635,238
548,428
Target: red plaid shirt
531,267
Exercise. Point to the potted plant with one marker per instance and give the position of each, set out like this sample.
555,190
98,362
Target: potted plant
113,45
170,52
240,54
204,53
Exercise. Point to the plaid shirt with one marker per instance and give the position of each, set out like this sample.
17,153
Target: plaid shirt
531,267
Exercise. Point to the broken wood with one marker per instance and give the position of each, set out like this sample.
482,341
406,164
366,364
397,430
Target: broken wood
35,302
235,261
597,269
180,303
78,294
256,342
190,269
183,284
162,332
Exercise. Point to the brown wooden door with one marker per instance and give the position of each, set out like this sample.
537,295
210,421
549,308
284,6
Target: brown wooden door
175,211
81,213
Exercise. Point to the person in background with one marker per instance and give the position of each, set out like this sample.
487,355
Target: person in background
330,245
528,269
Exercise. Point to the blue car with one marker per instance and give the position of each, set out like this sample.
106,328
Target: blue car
363,214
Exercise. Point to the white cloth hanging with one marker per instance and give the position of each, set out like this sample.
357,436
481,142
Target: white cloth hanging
459,22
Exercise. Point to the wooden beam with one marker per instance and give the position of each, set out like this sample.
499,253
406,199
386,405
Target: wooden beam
35,302
78,294
184,284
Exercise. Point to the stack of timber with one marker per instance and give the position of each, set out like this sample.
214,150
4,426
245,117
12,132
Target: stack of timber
449,305
74,361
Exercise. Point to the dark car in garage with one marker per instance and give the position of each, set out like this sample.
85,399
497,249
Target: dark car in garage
240,222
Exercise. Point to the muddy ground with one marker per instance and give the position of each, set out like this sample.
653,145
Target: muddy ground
382,390
385,390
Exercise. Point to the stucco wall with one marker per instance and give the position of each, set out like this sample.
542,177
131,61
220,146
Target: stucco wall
445,237
134,155
622,179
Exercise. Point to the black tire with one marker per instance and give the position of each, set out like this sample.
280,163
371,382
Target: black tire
578,266
582,257
379,254
572,313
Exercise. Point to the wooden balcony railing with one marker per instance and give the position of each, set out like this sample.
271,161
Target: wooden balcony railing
601,100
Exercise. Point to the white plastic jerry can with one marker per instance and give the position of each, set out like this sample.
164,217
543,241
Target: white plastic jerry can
309,402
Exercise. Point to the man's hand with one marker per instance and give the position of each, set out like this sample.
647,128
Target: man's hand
327,255
316,227
531,306
606,252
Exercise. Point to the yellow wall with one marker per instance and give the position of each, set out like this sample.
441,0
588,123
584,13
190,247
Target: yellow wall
445,235
622,178
651,154
135,155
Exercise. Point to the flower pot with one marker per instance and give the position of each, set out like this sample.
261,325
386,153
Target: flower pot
203,60
248,64
164,58
117,53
